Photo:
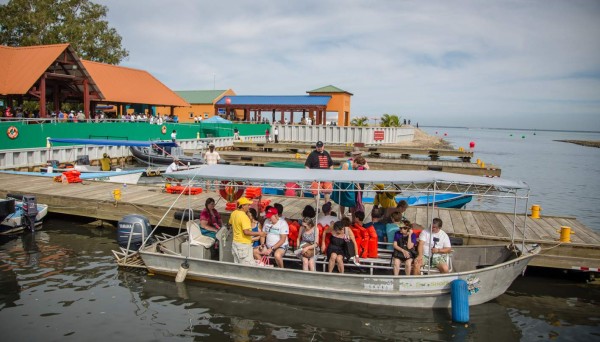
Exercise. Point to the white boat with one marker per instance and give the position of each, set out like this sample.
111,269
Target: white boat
487,270
16,221
121,176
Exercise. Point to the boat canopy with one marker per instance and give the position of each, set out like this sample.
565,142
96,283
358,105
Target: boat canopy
236,173
109,142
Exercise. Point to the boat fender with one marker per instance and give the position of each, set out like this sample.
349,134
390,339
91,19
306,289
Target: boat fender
459,293
164,129
182,273
12,132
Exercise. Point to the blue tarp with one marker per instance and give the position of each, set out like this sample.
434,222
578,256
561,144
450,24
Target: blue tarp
108,142
216,119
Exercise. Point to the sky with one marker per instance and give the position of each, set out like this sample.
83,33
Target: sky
499,64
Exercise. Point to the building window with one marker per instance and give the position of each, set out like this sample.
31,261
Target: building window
191,115
206,115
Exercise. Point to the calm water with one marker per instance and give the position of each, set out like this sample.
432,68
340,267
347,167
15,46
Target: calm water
64,285
563,177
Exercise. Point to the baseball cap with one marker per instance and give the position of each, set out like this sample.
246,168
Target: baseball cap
244,201
271,212
320,143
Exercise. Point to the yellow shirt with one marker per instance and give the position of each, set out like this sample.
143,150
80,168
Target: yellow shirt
105,162
240,221
385,199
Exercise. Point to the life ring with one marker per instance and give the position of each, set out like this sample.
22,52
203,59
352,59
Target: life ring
12,132
164,129
231,192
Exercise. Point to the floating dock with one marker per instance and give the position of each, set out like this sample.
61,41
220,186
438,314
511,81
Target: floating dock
254,158
375,150
95,200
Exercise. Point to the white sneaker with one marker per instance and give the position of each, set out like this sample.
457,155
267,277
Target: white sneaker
355,261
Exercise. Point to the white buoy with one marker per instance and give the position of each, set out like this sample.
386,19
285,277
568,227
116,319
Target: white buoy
182,273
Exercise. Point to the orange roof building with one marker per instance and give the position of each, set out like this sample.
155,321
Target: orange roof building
54,73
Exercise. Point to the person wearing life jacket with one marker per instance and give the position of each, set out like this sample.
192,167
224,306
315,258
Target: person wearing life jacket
105,162
360,234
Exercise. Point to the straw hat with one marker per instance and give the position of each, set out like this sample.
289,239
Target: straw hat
356,151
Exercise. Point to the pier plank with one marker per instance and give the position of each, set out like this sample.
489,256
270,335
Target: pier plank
497,225
447,222
484,226
550,233
457,222
470,223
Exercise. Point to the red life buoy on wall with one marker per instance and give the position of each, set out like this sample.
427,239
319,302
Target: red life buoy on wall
12,132
163,129
230,191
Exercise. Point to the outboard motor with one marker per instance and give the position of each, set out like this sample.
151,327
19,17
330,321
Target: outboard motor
30,211
83,160
132,231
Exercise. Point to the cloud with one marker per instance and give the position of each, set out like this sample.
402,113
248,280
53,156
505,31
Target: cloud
508,63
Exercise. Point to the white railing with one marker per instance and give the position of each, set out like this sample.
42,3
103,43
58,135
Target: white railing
344,134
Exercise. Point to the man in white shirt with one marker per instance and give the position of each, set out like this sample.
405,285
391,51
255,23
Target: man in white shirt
277,235
433,248
211,156
173,167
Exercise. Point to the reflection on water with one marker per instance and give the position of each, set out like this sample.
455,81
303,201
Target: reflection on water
63,282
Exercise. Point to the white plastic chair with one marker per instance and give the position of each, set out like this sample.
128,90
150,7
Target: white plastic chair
196,237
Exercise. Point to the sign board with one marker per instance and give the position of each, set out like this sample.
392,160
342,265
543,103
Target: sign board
378,135
221,110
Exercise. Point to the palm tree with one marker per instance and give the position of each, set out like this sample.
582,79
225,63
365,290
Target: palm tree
390,120
361,121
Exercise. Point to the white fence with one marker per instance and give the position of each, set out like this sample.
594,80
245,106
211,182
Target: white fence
344,134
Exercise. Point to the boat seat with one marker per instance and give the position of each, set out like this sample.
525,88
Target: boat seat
196,237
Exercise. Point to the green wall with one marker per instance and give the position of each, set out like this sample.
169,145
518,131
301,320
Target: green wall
34,135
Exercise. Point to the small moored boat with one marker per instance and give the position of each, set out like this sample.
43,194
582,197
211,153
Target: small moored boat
487,270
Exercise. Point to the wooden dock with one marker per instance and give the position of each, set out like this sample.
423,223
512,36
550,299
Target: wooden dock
375,150
254,158
95,200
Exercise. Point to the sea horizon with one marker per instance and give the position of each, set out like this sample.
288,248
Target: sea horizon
512,129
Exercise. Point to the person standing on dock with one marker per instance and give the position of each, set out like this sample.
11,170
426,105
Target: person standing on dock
319,159
268,135
174,136
276,134
211,156
242,233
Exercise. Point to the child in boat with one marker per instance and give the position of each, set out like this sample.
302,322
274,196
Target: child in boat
392,228
308,242
405,242
258,242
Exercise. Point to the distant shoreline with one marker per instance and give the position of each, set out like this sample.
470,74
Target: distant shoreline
515,129
589,143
